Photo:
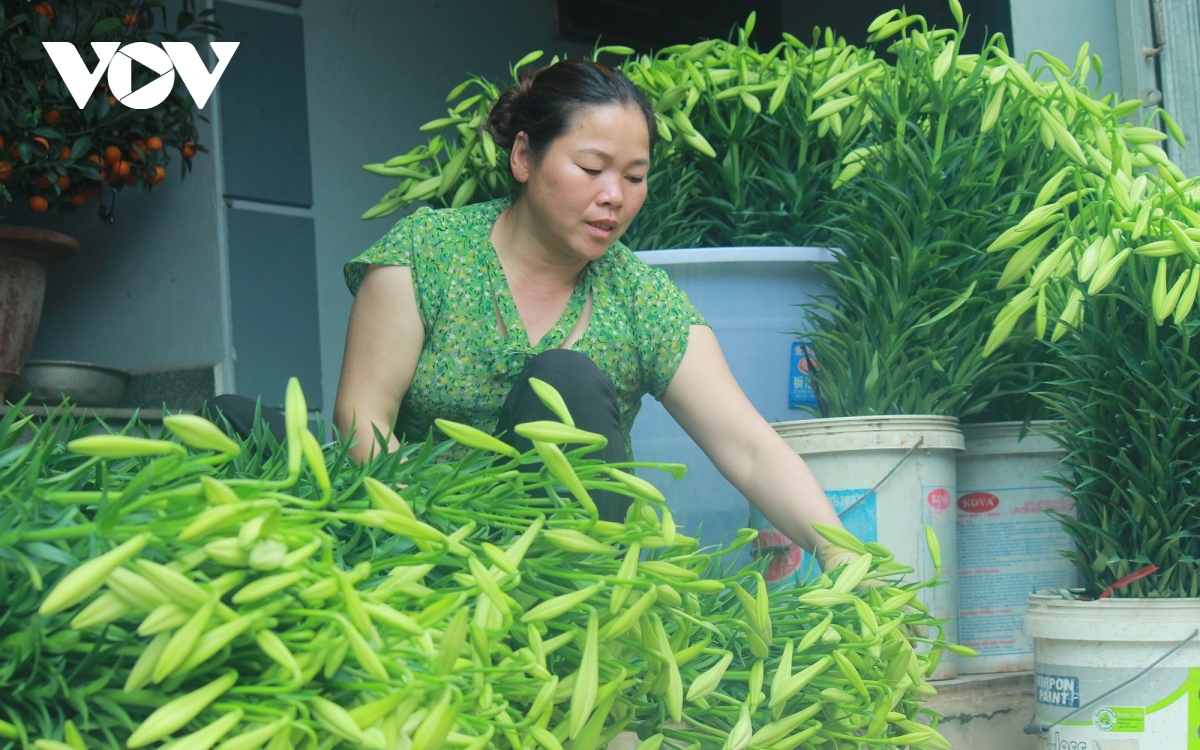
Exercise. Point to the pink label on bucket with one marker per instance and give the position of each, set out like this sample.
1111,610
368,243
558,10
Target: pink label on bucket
938,499
785,556
978,502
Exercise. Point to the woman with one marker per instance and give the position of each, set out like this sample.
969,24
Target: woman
455,309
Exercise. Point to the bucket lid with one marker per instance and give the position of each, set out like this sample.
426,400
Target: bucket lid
1169,619
891,432
991,438
737,255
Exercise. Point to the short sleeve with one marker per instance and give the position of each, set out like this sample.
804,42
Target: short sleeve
392,249
665,317
408,243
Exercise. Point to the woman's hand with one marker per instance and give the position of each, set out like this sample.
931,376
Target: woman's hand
707,402
831,556
383,343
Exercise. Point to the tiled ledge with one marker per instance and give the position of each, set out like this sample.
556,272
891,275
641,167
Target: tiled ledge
112,415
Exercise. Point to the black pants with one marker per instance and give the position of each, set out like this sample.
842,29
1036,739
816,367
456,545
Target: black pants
591,399
588,392
239,411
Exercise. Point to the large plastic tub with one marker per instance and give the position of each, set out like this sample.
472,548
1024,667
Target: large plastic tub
749,297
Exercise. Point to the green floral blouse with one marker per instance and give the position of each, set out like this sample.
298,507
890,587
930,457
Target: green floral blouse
637,333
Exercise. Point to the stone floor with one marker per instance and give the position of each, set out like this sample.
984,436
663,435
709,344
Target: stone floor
981,712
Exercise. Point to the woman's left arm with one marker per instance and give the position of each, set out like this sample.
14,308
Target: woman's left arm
707,402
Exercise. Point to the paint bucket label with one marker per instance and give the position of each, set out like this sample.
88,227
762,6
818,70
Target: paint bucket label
800,391
938,498
937,512
1007,547
1056,690
788,560
1158,711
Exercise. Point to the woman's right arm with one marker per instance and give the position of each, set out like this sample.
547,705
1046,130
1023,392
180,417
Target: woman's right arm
383,342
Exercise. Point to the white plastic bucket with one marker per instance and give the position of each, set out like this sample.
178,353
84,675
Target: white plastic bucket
1084,649
1007,545
849,455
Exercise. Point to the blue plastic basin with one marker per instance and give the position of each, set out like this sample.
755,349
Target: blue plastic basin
749,297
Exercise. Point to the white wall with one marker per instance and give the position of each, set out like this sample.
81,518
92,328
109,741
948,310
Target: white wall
1061,26
377,70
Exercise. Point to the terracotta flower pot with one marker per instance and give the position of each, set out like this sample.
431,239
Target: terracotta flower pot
25,255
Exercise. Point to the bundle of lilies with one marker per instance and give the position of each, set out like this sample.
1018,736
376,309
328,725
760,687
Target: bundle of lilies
191,591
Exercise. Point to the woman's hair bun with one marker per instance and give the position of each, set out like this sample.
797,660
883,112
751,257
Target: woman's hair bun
503,122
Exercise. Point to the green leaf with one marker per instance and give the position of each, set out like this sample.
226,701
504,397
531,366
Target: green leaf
182,21
107,26
962,298
50,553
457,90
32,49
616,49
383,208
81,146
443,122
527,59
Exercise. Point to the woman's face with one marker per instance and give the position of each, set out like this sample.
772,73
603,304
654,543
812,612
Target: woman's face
590,182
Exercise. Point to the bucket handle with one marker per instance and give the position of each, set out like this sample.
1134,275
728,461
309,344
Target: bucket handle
779,549
871,491
1041,728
